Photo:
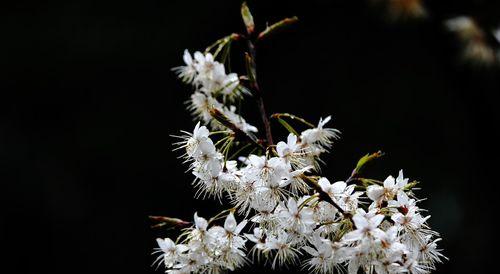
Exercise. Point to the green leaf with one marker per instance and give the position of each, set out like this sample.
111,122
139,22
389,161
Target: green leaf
247,18
288,126
293,117
365,159
411,185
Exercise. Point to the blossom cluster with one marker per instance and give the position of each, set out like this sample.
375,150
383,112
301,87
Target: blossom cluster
289,214
379,227
206,249
213,87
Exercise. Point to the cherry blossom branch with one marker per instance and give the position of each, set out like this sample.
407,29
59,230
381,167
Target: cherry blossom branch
271,190
323,195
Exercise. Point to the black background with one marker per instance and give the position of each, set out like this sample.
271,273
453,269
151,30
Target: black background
88,103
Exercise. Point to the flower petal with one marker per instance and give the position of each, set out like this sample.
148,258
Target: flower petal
230,223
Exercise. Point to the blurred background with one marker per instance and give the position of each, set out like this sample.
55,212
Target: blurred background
88,104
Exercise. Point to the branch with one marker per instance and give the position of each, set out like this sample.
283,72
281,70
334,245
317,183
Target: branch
238,133
252,68
277,27
323,195
168,221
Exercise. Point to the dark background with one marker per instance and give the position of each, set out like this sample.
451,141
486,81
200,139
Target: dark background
88,102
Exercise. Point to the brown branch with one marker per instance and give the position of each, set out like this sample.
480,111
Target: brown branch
168,221
238,133
277,26
252,67
324,196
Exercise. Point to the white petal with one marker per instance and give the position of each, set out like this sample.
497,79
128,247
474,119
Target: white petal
323,122
214,167
161,244
252,238
398,218
209,57
292,206
240,227
339,187
207,147
256,161
311,251
182,248
401,181
292,139
352,236
353,267
196,128
324,183
276,163
403,199
280,148
376,220
374,192
389,182
202,132
360,221
392,232
230,223
400,175
200,222
378,233
199,57
187,57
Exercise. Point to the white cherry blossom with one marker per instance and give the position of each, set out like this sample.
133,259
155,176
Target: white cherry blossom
389,190
366,226
320,135
188,72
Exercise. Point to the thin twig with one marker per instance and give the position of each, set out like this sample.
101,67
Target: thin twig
255,86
